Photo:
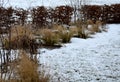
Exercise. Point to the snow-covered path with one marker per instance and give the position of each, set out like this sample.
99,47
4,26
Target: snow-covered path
95,59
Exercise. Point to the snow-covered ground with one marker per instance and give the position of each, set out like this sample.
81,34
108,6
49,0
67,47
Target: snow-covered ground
95,59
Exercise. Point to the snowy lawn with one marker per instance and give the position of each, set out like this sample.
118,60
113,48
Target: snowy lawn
95,59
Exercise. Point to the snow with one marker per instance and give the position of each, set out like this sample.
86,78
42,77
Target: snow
34,3
53,3
102,2
96,59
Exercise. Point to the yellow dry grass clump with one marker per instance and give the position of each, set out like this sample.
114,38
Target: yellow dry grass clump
96,26
90,22
64,34
21,37
21,30
49,37
26,70
74,30
58,28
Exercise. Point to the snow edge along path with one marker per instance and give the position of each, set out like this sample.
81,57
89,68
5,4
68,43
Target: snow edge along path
92,60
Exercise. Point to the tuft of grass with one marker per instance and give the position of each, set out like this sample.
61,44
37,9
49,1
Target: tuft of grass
62,32
74,30
94,27
21,30
21,38
26,70
65,36
19,42
37,32
58,27
49,38
80,30
90,22
97,27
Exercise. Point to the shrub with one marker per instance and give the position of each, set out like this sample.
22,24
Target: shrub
62,14
40,16
3,31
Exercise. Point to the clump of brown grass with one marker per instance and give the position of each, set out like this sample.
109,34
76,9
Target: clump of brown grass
94,27
65,36
26,70
1,80
97,26
21,38
58,27
22,30
38,32
90,22
49,38
80,29
74,30
19,42
82,32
